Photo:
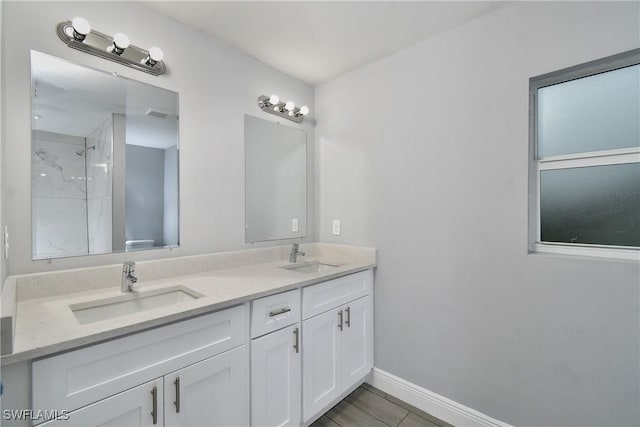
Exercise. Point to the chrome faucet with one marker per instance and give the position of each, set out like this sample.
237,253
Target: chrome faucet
293,256
128,279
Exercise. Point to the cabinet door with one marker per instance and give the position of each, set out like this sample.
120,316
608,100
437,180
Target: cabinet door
275,378
357,341
131,408
321,350
209,393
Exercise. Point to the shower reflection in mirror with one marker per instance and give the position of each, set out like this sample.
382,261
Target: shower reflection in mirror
104,162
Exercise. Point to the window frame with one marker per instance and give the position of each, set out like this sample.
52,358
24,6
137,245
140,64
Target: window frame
583,159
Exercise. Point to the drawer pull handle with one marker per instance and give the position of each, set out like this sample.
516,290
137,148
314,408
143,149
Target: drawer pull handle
281,311
340,316
154,411
348,321
296,344
177,402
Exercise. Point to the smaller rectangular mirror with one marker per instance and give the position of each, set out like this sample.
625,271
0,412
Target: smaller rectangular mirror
275,181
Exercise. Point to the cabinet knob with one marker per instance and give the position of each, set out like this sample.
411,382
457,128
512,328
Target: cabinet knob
340,323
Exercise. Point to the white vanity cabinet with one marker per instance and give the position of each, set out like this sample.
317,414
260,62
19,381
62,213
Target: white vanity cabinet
208,393
276,380
280,360
132,380
337,342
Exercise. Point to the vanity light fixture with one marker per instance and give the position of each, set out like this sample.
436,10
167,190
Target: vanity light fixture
288,110
78,34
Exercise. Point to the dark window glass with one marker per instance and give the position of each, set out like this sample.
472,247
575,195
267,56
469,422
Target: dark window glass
591,205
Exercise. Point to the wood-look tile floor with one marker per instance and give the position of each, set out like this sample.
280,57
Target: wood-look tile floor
369,407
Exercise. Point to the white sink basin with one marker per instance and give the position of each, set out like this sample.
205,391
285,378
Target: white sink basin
109,308
309,267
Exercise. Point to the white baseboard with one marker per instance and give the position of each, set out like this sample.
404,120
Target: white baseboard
439,406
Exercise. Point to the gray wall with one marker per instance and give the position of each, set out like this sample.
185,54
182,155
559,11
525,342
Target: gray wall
144,195
432,170
171,196
3,268
118,215
200,68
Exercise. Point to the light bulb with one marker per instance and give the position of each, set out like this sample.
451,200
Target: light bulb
273,99
304,110
156,54
121,41
289,106
81,28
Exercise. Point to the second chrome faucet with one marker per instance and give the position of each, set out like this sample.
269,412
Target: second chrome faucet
293,256
128,279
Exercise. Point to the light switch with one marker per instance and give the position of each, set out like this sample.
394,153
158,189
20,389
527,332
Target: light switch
336,227
294,225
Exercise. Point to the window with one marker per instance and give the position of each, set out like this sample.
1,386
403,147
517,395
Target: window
585,159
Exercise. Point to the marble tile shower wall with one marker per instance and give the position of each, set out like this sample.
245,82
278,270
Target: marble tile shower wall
58,195
99,187
71,193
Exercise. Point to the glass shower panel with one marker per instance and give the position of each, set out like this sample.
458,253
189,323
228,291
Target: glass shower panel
599,112
99,187
591,205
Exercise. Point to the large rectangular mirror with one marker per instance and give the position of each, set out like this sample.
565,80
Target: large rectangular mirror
104,161
275,181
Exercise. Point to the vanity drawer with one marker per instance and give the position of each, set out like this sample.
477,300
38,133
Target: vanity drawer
274,312
324,296
76,378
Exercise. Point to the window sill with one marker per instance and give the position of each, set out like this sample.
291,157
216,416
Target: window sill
589,251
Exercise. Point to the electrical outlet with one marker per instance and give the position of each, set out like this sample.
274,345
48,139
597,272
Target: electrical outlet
335,230
294,225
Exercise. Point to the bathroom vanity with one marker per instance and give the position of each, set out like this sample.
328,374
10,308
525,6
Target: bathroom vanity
188,373
267,343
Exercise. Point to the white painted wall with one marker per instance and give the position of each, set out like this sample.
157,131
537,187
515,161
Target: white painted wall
426,159
217,86
3,269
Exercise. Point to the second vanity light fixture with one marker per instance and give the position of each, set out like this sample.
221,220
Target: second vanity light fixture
288,110
78,34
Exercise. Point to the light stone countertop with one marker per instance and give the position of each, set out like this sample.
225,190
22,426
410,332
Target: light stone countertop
47,325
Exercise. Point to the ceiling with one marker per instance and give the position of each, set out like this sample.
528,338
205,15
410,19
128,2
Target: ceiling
316,41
